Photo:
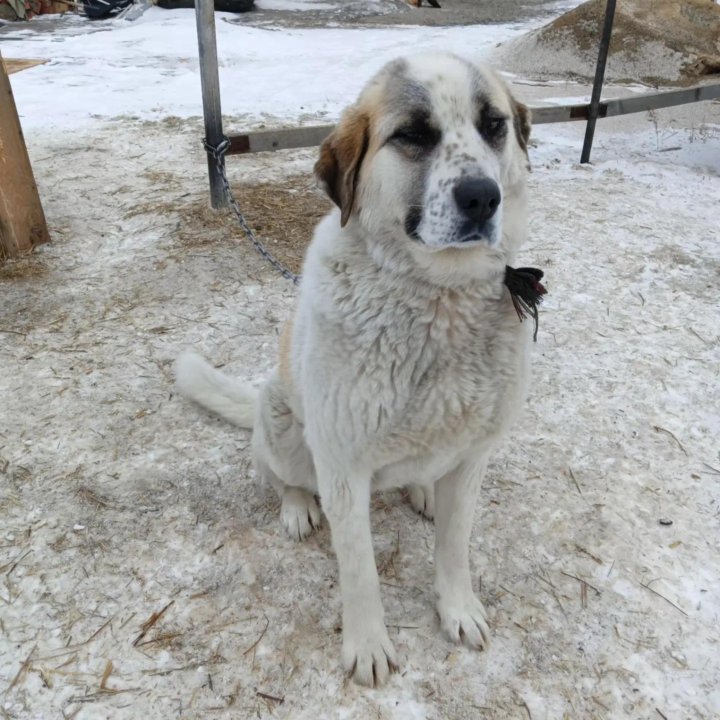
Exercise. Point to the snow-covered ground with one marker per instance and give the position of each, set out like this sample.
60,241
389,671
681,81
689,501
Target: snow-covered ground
598,533
148,69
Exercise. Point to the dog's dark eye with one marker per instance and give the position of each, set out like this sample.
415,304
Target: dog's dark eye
492,126
416,136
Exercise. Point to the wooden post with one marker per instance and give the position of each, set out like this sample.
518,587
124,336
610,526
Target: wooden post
598,83
22,220
210,83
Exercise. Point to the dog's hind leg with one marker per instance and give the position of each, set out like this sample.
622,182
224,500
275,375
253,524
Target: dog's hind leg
299,512
422,499
283,459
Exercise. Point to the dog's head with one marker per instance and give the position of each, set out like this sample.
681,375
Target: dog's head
434,156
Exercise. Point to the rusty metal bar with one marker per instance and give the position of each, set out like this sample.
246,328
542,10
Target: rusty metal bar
311,136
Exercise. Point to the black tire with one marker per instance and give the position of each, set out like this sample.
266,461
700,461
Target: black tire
233,6
97,9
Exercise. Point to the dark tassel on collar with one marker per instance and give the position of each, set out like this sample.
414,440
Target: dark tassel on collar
526,292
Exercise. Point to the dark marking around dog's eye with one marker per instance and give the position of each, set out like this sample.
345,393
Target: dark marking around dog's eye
417,135
492,126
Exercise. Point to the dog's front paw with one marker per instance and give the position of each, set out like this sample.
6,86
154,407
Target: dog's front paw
422,499
464,620
368,656
299,512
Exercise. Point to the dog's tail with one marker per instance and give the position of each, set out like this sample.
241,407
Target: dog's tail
231,399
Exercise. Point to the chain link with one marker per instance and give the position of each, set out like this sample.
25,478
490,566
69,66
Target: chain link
218,153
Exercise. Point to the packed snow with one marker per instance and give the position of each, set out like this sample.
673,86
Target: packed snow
148,69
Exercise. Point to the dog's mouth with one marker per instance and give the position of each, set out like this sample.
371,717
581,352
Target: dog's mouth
474,233
470,238
473,239
412,223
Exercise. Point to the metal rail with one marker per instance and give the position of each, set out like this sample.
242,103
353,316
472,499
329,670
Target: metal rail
311,136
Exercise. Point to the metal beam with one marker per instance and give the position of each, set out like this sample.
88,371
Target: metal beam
269,140
655,101
598,82
311,136
210,83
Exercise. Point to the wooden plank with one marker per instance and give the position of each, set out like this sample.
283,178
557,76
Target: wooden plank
13,66
310,136
22,220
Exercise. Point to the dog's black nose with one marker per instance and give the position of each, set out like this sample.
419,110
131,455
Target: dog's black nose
477,198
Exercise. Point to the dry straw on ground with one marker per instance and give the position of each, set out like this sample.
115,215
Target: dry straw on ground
281,214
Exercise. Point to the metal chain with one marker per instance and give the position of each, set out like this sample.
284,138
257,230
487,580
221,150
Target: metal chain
218,153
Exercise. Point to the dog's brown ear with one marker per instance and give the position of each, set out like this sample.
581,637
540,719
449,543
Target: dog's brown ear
341,156
522,122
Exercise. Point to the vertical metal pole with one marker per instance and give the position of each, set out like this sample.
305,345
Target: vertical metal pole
210,82
598,83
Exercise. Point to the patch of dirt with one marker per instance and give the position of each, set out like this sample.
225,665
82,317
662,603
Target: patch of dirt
282,214
653,41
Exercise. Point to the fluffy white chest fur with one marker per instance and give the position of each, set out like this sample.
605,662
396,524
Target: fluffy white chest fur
408,376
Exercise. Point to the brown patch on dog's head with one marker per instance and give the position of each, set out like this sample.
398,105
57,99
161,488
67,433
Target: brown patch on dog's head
522,122
341,157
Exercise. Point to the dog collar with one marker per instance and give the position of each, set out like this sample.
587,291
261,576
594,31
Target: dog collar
526,292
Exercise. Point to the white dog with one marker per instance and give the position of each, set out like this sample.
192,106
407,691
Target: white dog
405,362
